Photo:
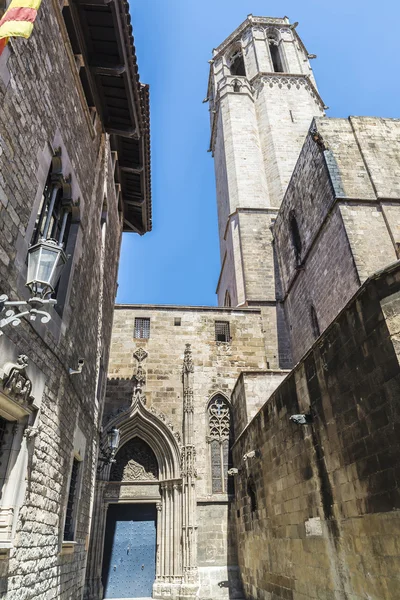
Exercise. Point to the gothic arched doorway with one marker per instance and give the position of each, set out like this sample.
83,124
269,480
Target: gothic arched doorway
137,497
129,559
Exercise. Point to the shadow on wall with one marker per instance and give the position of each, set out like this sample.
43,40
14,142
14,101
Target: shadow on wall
327,493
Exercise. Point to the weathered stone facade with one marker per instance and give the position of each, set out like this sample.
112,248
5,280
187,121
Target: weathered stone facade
308,211
325,523
215,366
49,417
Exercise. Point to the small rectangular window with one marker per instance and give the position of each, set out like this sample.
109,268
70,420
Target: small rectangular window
142,328
177,322
70,518
222,333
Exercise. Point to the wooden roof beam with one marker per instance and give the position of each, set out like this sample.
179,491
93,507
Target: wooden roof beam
128,132
108,70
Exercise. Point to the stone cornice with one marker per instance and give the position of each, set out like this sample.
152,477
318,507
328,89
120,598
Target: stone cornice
249,22
289,79
156,307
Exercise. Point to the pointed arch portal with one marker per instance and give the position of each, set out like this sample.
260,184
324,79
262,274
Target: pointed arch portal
145,480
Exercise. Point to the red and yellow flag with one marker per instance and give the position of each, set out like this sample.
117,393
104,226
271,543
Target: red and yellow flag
18,20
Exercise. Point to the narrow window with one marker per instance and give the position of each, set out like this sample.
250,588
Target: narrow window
296,239
227,301
222,333
237,64
72,504
55,221
177,322
54,217
314,322
220,440
142,328
275,56
251,492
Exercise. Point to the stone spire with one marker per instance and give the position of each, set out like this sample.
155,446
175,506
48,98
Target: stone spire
189,476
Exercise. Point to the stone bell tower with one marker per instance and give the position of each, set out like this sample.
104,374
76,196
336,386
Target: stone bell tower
262,97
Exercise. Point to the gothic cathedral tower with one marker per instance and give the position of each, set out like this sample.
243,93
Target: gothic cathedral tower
263,97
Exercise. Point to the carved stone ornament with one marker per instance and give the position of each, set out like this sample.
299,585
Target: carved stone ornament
135,461
188,462
140,354
318,139
16,383
187,360
219,419
140,377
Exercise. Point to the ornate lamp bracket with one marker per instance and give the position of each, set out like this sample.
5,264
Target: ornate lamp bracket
14,310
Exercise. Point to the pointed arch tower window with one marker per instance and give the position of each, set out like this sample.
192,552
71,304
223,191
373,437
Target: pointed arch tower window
220,440
236,63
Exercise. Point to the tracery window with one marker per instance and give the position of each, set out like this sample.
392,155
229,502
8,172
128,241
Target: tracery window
220,440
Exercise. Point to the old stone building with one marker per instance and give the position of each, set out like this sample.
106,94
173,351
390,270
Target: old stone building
216,491
74,174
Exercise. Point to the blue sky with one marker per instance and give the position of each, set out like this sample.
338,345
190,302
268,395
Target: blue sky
357,72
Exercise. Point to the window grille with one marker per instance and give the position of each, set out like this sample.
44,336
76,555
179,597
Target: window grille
220,439
70,518
142,328
222,333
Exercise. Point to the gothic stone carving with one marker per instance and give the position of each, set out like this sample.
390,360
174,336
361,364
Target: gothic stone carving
16,383
187,360
140,377
135,462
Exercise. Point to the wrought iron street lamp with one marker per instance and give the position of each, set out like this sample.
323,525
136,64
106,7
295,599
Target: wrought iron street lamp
109,450
46,259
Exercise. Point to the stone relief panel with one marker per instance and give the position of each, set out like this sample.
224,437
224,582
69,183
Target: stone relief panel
135,461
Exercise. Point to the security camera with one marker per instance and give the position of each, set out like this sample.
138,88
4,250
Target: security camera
233,471
252,454
301,419
78,370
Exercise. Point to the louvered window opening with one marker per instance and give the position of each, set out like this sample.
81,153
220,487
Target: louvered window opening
222,333
69,529
142,329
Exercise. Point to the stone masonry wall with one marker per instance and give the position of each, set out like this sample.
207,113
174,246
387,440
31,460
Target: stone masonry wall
341,212
318,511
40,109
216,368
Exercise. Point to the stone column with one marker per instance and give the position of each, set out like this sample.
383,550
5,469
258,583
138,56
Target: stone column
189,475
94,586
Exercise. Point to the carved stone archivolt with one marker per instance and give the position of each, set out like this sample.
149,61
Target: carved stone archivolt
135,461
16,383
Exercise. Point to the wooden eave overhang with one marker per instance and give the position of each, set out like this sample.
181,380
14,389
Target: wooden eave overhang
105,37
